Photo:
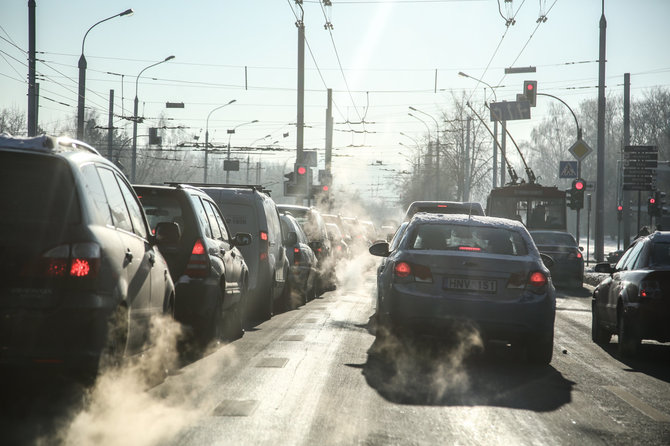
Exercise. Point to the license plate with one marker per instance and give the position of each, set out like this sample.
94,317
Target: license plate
469,284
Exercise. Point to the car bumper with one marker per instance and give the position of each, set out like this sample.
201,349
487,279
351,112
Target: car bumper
68,333
437,315
567,271
650,318
196,300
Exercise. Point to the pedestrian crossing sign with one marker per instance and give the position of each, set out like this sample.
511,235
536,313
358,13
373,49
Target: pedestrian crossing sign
567,169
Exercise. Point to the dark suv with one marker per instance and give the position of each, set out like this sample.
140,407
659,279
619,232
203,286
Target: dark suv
209,271
315,229
80,272
251,209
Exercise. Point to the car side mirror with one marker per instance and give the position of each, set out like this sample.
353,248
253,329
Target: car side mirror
547,260
581,248
380,249
604,267
242,239
168,233
291,239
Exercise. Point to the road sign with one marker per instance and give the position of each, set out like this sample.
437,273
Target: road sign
509,111
567,169
580,150
639,168
231,165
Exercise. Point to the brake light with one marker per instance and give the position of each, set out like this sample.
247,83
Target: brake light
537,279
469,248
650,289
198,263
77,260
579,255
441,205
296,256
264,256
264,236
296,250
402,269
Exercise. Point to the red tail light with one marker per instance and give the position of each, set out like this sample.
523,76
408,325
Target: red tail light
579,255
79,260
537,279
264,236
296,250
296,256
198,263
402,269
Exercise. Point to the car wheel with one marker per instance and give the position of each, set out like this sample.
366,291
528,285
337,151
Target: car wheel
541,349
233,325
599,334
629,340
116,340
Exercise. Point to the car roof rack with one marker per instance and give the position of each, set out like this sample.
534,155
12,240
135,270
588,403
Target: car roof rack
44,143
258,187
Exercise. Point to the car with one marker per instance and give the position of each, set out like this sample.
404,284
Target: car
304,267
205,262
568,268
81,275
370,231
250,208
634,301
315,229
339,245
359,239
444,207
482,271
337,220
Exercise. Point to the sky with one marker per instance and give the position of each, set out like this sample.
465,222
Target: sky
380,58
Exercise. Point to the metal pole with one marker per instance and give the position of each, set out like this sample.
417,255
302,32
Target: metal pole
466,177
503,152
82,92
329,132
577,218
495,154
110,126
588,226
600,182
626,142
32,102
204,177
301,85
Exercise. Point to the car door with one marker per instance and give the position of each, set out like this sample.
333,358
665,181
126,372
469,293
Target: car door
137,261
236,265
224,251
624,268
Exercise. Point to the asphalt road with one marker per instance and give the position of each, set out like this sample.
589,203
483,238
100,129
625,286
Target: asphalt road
315,376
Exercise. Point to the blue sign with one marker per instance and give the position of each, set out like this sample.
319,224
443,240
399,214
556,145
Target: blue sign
567,169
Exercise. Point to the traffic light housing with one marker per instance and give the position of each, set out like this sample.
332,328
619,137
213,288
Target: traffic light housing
619,212
652,206
303,176
530,91
576,196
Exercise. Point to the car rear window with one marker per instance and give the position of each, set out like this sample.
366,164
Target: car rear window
660,254
542,238
161,207
487,239
37,190
239,217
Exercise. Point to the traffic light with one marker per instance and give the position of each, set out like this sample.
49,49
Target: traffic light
619,212
303,176
577,194
530,91
652,207
660,203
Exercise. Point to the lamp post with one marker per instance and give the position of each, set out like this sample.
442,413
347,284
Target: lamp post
437,150
495,135
230,133
418,148
82,76
133,166
207,136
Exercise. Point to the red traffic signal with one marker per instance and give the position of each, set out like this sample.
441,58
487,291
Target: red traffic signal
530,87
530,91
579,185
325,188
301,170
619,208
652,201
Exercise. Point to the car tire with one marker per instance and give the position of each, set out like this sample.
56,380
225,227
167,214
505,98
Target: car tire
599,334
540,350
629,340
116,340
233,324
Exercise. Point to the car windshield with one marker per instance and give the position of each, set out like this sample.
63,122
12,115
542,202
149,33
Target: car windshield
487,239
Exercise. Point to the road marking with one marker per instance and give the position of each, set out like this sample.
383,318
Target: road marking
638,404
293,338
276,363
235,408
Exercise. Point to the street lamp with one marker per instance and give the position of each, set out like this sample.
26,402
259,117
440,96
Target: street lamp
207,135
495,136
82,76
133,167
230,133
437,150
